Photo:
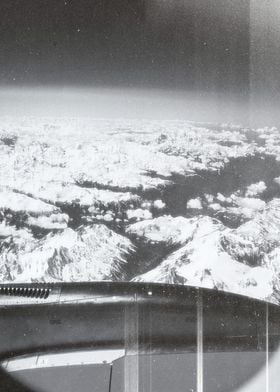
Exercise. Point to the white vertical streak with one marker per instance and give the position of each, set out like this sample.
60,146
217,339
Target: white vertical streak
267,346
131,363
199,342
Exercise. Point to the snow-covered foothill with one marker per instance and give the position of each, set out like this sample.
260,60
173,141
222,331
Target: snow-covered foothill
19,203
221,198
139,214
164,229
159,204
195,204
60,193
255,189
215,207
251,203
52,222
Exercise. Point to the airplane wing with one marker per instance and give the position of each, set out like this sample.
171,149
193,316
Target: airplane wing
132,337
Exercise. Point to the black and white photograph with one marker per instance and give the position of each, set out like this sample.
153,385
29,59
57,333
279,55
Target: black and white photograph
139,195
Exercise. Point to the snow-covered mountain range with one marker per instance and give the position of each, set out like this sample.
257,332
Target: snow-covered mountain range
157,201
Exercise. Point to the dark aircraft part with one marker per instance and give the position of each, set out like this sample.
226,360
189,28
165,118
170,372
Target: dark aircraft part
134,337
19,291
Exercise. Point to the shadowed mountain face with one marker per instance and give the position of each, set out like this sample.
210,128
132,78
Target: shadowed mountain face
160,201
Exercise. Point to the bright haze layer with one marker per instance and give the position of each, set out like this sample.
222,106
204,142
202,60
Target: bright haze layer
198,60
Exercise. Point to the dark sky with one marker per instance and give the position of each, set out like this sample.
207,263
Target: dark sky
229,47
165,43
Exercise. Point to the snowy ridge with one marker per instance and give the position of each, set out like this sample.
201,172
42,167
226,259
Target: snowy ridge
204,262
90,253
